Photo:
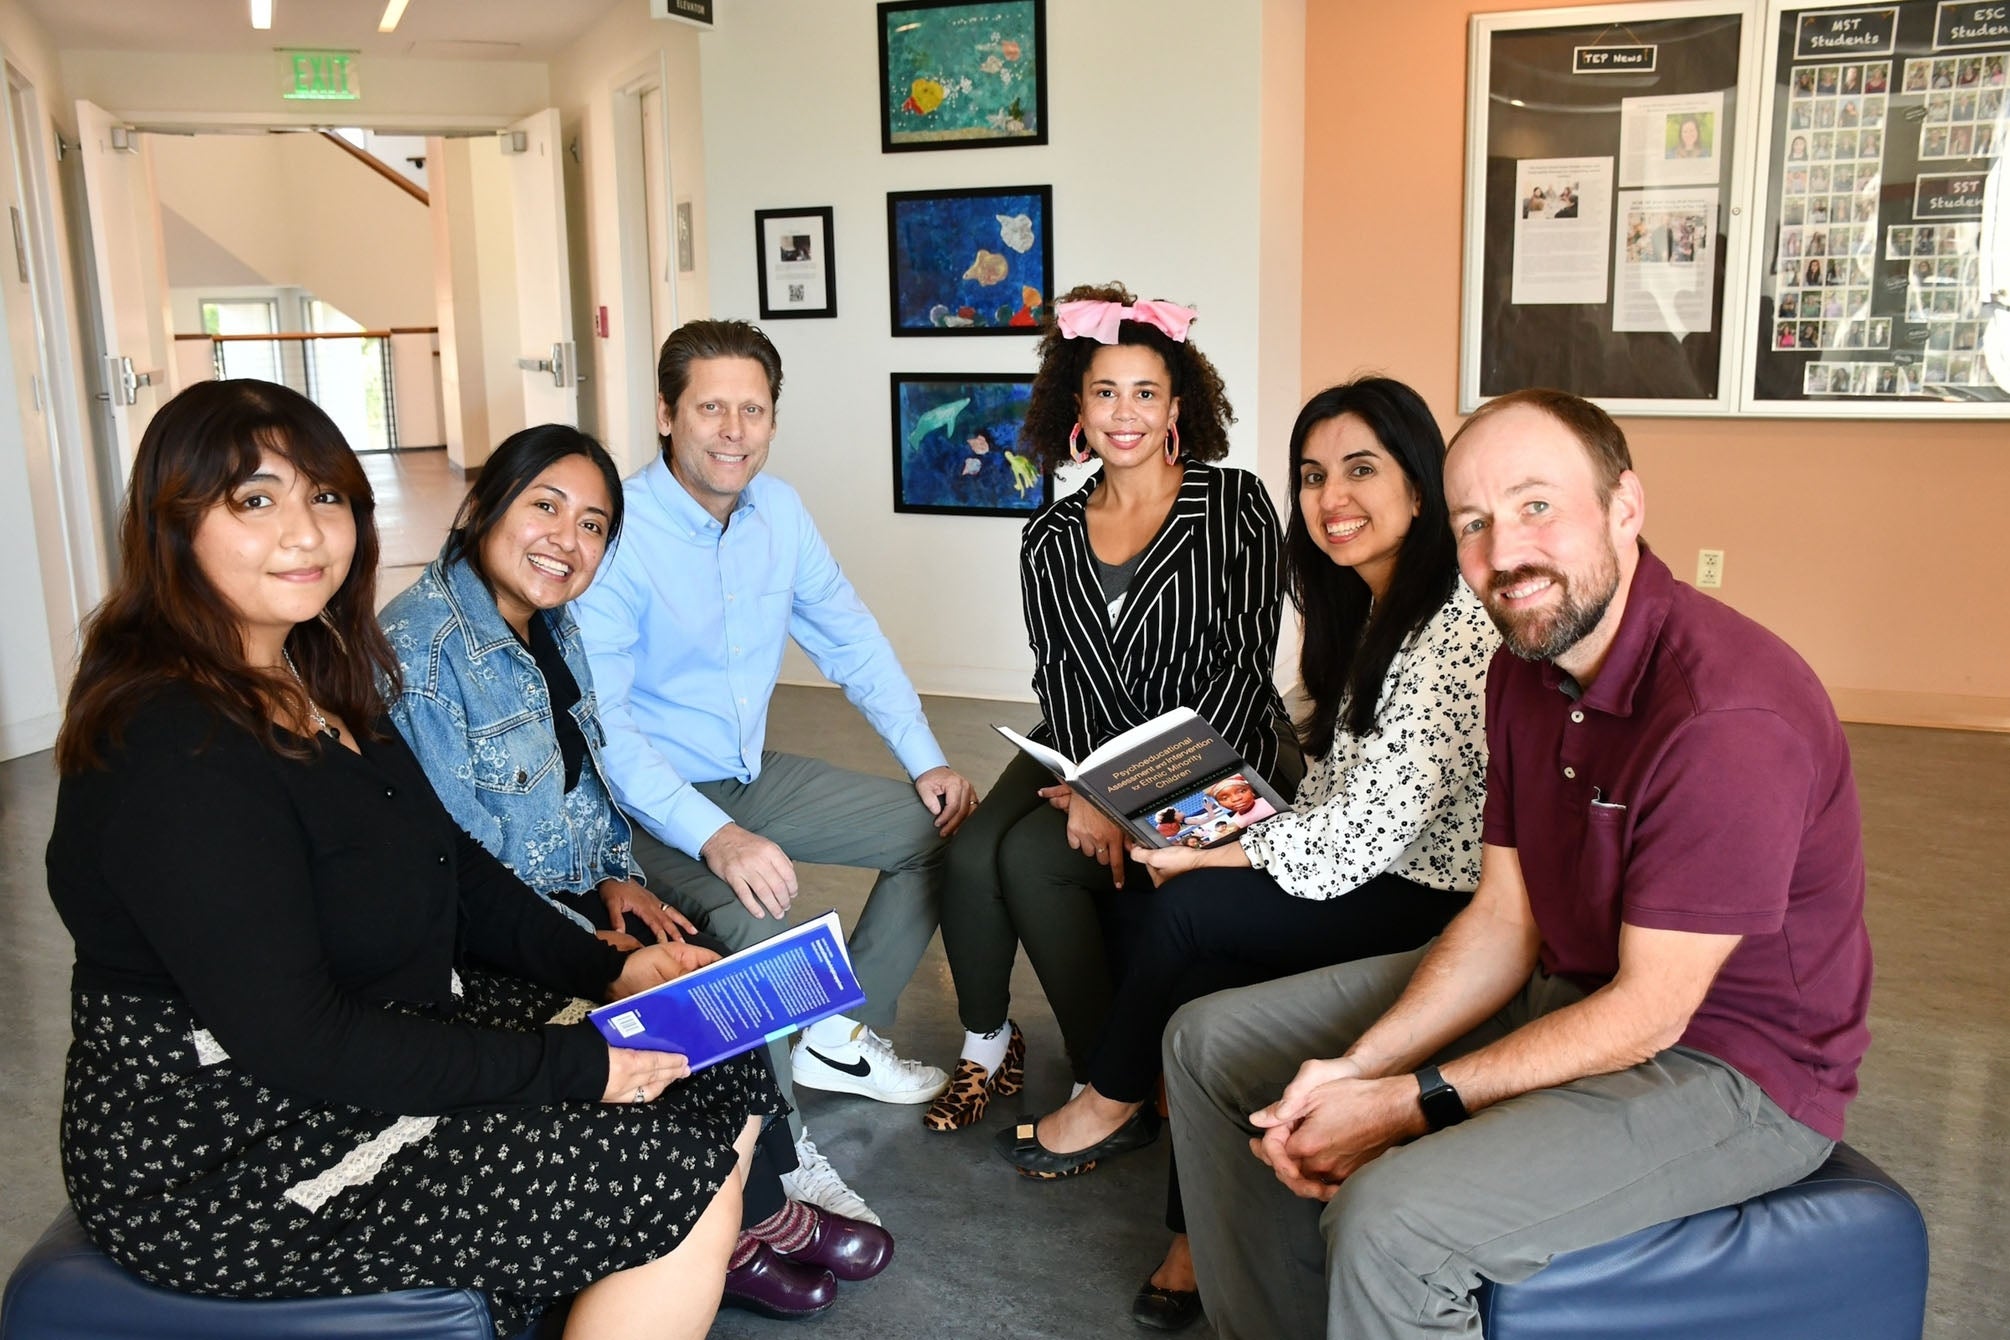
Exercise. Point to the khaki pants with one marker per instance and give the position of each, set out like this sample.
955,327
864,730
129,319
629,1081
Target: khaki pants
1400,1249
827,816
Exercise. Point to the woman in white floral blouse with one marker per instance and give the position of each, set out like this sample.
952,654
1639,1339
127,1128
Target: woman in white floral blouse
1382,846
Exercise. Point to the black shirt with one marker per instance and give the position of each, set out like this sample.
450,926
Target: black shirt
563,690
286,901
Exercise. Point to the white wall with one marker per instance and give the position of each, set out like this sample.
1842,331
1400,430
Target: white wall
46,564
301,211
474,269
588,84
173,88
1156,110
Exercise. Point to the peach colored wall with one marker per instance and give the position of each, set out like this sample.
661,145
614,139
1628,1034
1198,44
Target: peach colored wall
1874,548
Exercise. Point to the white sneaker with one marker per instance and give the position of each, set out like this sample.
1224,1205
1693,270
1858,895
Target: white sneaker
815,1182
865,1065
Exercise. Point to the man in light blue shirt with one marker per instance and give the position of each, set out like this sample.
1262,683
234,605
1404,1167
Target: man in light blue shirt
717,568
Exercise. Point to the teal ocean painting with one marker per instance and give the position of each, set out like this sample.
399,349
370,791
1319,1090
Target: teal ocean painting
962,76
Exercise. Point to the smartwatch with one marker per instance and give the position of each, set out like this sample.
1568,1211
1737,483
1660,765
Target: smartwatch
1440,1101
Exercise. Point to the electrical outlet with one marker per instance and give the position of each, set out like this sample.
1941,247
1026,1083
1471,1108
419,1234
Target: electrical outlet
1709,568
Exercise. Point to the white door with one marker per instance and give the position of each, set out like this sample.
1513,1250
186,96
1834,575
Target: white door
126,263
547,359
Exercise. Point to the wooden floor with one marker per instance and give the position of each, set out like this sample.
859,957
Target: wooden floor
417,493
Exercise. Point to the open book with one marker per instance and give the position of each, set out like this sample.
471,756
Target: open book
1172,781
765,991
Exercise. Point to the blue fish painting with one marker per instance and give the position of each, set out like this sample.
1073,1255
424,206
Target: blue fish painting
970,262
957,447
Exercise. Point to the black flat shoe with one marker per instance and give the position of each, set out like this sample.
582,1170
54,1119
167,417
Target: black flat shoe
1020,1146
1165,1309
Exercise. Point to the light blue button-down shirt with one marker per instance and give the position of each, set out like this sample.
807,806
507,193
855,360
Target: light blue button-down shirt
685,627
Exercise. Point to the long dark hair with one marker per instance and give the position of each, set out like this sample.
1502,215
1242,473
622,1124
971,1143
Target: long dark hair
1055,403
164,620
510,469
1348,645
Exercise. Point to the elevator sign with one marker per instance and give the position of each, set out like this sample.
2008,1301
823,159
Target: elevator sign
320,76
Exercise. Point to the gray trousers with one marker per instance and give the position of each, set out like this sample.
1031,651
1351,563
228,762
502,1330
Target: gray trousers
828,816
1403,1244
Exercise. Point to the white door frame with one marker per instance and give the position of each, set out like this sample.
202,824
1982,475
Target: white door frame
82,539
638,338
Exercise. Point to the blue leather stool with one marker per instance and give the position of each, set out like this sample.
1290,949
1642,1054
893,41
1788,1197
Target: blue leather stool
1841,1253
66,1289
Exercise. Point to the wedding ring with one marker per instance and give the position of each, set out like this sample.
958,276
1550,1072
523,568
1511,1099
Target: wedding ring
641,1095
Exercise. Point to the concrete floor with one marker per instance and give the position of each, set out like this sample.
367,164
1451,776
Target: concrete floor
983,1252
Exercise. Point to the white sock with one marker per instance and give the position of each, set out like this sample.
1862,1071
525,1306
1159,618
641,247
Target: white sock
1075,1091
835,1031
988,1049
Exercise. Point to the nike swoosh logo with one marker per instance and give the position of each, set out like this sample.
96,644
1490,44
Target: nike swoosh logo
858,1069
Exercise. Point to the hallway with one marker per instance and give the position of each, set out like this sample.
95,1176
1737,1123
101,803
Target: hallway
417,494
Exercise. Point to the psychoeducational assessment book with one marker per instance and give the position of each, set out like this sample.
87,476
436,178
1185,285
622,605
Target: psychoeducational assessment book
1172,781
765,991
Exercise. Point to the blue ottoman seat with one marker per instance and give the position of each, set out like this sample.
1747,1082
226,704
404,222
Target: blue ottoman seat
66,1289
1841,1253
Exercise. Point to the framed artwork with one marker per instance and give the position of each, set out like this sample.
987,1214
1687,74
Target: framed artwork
976,261
962,76
798,270
956,445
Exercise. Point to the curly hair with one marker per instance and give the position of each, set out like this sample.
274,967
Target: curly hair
1204,411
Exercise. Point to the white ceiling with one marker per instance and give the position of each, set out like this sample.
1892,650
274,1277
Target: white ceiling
533,30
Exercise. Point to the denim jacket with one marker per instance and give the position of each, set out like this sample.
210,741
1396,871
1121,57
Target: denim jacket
476,712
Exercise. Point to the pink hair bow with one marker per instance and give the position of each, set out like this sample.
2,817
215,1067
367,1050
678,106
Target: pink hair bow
1099,320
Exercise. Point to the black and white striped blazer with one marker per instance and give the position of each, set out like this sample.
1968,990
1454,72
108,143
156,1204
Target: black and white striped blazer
1198,627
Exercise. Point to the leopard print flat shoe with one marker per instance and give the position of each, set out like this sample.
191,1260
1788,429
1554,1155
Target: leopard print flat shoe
972,1088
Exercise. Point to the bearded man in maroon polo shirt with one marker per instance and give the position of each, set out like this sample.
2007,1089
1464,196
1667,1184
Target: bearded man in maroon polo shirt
1654,1004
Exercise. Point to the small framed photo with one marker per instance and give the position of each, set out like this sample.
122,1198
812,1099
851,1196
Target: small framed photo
956,448
956,75
797,264
975,261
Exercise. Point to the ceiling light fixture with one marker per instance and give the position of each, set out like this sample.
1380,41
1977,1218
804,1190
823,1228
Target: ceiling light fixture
393,11
261,13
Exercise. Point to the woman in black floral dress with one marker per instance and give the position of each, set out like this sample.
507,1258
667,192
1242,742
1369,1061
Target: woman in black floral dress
311,1047
1382,846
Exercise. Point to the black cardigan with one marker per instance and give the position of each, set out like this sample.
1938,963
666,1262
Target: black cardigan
286,901
1198,626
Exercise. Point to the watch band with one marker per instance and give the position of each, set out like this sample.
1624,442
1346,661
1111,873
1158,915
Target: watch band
1441,1102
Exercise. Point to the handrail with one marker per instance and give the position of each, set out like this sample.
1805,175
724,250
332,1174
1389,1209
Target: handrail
381,168
323,334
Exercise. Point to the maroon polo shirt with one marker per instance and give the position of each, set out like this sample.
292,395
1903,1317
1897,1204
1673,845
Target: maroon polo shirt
1701,784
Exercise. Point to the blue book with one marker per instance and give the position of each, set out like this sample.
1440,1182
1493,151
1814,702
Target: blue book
766,991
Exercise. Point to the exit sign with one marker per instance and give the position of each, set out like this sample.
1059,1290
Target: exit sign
320,76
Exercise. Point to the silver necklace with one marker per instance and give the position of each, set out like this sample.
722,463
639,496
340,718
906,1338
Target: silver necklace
313,713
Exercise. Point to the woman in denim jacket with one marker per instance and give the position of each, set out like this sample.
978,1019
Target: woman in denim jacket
498,702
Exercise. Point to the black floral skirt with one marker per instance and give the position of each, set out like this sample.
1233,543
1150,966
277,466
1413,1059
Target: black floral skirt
196,1177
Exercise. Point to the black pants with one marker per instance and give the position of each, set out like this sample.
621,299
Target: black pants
775,1151
1210,930
1011,879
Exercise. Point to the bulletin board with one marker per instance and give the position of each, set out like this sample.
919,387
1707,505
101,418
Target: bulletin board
1880,285
1608,155
1777,207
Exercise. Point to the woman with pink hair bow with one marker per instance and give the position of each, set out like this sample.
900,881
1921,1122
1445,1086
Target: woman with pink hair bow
1154,586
